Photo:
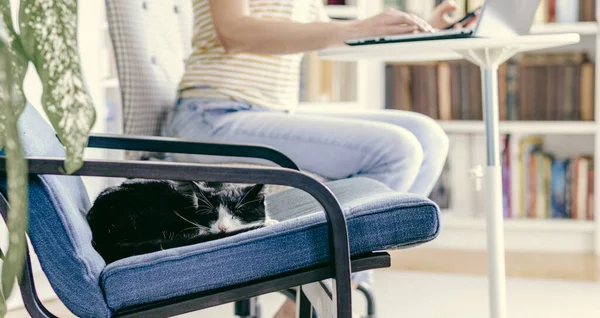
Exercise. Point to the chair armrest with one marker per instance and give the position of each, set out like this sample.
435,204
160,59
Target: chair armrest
338,230
174,145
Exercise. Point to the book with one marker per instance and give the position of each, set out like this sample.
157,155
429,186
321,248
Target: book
569,190
506,186
512,90
547,186
580,192
551,4
465,93
431,93
390,92
456,89
403,88
587,10
527,146
444,91
417,87
559,186
475,98
590,195
553,91
587,91
577,92
524,88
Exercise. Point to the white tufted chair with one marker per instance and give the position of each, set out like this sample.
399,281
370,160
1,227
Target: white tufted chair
151,40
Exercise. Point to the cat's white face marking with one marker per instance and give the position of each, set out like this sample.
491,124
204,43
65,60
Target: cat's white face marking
227,223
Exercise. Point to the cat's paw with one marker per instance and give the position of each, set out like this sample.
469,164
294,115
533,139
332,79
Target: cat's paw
270,222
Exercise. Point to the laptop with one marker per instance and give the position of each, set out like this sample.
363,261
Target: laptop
497,18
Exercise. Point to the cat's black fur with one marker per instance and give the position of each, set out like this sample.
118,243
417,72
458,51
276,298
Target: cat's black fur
144,216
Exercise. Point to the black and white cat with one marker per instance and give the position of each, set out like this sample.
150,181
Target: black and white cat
144,216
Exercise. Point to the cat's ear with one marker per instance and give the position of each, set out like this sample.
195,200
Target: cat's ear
255,192
206,186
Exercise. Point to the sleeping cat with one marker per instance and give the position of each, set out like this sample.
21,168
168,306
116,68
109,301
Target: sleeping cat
144,216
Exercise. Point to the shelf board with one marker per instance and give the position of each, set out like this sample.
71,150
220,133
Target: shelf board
582,28
342,11
520,235
523,127
552,225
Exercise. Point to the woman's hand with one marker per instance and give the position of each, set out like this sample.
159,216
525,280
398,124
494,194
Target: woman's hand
389,22
440,17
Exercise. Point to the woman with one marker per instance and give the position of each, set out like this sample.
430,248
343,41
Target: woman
241,85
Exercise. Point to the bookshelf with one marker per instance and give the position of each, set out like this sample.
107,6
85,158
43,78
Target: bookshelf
464,219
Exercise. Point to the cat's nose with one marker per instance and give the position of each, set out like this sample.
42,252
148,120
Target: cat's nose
223,228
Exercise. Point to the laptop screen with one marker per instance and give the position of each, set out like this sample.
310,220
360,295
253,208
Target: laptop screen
506,17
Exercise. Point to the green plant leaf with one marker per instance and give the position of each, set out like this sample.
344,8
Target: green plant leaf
48,33
2,305
17,196
12,102
48,39
1,255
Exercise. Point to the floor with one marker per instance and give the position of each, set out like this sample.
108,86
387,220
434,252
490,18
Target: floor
567,266
420,294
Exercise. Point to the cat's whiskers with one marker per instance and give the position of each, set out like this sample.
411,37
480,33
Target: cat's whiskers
205,200
245,203
192,223
204,211
237,206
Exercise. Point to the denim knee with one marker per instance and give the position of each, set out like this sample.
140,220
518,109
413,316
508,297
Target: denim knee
400,156
431,135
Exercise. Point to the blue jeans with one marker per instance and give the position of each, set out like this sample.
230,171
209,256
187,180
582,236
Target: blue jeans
403,150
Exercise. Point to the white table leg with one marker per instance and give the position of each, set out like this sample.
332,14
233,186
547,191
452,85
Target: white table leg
493,194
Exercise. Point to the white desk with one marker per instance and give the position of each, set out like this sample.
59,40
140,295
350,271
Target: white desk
488,54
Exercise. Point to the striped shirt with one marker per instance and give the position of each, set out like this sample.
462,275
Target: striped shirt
270,81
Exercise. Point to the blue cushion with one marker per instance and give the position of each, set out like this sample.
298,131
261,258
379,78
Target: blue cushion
378,219
58,229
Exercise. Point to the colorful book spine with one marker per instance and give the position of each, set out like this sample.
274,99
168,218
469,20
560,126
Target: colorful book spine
559,187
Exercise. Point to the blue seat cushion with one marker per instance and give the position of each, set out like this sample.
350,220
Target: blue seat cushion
378,219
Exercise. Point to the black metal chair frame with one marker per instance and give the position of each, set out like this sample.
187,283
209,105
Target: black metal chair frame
335,303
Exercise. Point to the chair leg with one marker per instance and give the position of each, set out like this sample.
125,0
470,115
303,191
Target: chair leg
248,308
303,307
370,298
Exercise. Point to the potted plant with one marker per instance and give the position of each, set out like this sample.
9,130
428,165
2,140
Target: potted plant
44,34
